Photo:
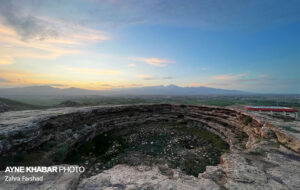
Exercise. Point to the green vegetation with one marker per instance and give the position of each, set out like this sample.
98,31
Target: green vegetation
219,144
14,105
99,146
257,153
48,145
276,144
240,138
41,102
60,153
189,100
19,135
218,102
179,146
23,102
247,120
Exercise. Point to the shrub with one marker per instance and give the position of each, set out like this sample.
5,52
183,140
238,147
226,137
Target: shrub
247,120
60,153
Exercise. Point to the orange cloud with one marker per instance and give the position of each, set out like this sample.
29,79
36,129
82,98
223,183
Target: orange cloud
229,77
198,84
70,41
6,60
14,78
153,61
7,31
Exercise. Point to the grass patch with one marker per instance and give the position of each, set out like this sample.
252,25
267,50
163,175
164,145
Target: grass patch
48,145
219,144
257,153
218,102
247,120
60,153
98,146
2,137
39,102
19,135
240,137
15,105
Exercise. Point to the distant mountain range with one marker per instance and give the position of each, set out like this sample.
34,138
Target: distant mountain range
149,90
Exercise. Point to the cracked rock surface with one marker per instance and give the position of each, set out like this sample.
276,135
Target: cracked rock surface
144,177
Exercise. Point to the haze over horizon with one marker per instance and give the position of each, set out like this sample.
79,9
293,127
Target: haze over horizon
106,44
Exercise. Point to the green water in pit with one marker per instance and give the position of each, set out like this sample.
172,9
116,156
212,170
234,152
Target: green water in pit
178,146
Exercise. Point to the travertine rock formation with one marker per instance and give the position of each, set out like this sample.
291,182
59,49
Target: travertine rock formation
260,157
144,177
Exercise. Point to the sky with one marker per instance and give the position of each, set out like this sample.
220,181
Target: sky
103,44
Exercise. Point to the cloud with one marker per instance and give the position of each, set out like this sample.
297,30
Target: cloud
20,78
27,26
2,80
112,14
229,77
16,78
107,86
153,61
71,43
131,65
6,59
211,84
13,75
195,84
26,34
168,77
230,14
242,81
58,85
243,78
147,77
90,71
259,80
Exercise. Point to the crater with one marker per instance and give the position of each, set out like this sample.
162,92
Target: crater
187,138
177,141
178,146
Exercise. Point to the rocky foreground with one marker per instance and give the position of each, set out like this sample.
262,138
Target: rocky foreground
259,155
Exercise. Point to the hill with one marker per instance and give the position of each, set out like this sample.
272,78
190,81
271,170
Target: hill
11,105
148,90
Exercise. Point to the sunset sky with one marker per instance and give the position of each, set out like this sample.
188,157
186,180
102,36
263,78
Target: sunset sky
103,44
